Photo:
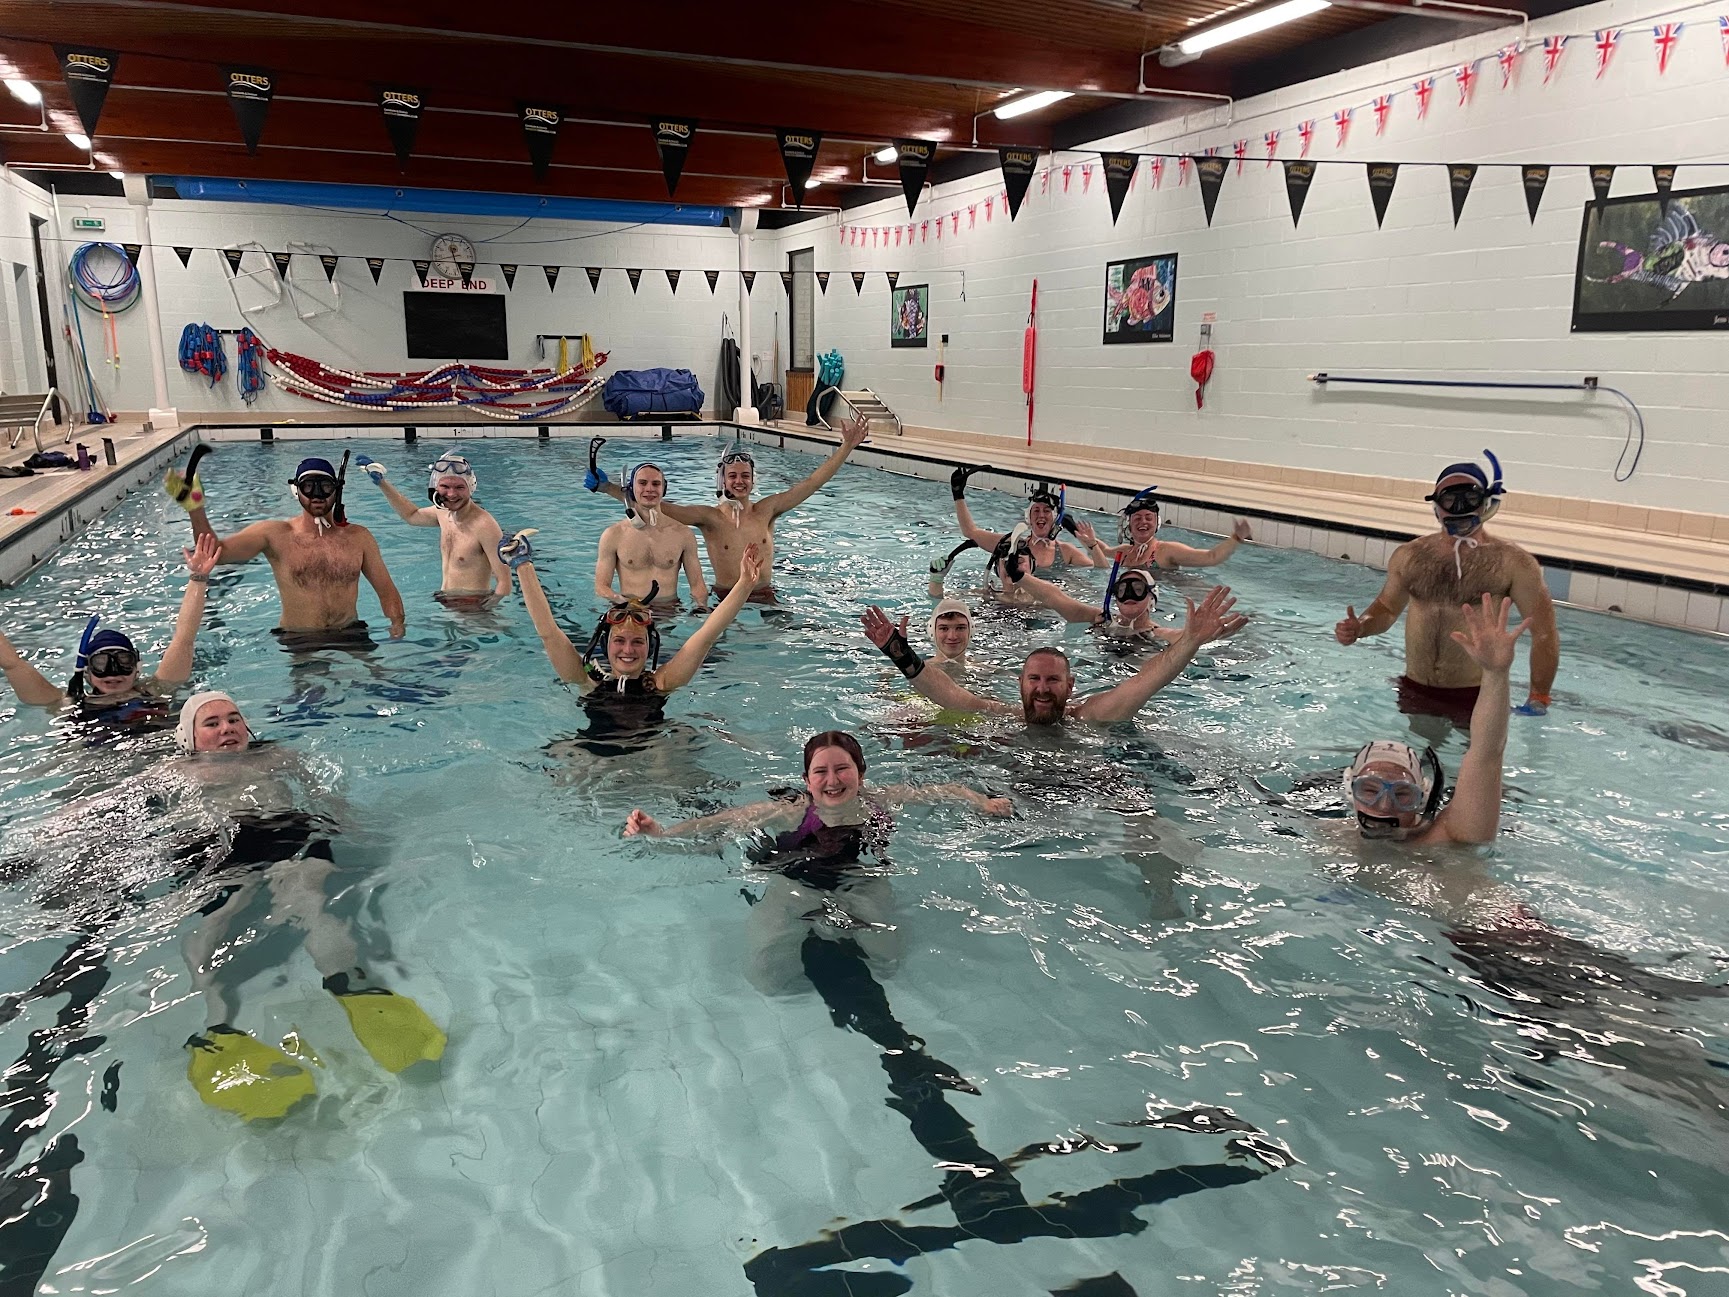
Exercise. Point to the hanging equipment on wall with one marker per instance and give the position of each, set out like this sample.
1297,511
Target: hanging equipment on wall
249,365
110,288
1029,356
201,352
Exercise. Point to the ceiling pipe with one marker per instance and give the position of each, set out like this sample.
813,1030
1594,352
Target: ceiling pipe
1446,10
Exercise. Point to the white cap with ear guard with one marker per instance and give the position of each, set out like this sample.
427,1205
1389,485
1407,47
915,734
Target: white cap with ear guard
946,608
184,731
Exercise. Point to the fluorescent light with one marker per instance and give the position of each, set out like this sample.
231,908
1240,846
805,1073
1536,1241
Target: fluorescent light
1251,24
888,153
78,141
812,183
24,92
1032,103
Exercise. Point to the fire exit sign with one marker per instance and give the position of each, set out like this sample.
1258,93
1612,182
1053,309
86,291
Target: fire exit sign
87,223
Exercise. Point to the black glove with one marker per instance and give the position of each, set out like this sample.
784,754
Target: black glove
1068,524
1015,565
901,654
958,481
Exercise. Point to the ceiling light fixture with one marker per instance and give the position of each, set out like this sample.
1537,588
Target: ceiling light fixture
78,141
24,92
1032,103
888,153
1250,24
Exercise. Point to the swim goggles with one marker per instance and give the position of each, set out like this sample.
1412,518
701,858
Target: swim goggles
621,613
1144,501
736,456
1131,586
316,486
452,466
1461,498
109,663
1404,795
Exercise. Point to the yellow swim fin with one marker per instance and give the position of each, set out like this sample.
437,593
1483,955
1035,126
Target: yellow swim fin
393,1028
240,1074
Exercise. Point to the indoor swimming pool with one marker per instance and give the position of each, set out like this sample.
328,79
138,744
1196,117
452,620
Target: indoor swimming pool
1169,1023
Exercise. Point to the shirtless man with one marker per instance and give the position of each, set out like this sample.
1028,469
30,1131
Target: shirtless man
1436,575
1047,684
1144,549
647,548
318,560
737,523
474,576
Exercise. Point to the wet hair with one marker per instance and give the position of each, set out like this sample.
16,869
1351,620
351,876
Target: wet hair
1051,652
834,739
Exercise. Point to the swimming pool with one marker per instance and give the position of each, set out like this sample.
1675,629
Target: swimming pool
1163,1025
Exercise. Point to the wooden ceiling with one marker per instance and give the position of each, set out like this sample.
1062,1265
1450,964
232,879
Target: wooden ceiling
863,73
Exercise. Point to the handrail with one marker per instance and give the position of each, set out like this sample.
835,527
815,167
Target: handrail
25,402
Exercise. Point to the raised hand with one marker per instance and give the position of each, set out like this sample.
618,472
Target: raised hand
1208,620
373,468
1486,638
201,558
958,481
1240,531
641,822
877,627
854,431
515,550
596,476
1350,629
750,567
1083,532
1232,624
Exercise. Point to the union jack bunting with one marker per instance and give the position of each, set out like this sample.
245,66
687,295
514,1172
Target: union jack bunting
1306,133
1383,110
1508,57
1271,140
1665,36
1607,39
1182,170
1552,48
1466,75
1342,120
1723,29
1425,91
1241,149
1158,170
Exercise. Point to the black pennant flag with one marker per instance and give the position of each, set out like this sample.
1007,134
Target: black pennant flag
509,269
1018,167
232,257
133,249
893,276
1601,178
858,278
376,266
672,136
1119,171
712,276
421,268
540,123
798,153
185,255
1299,174
1664,178
1210,171
635,277
282,259
672,280
249,92
749,277
551,273
88,75
1459,178
915,165
1536,180
594,277
786,281
822,281
466,270
401,109
326,260
1382,177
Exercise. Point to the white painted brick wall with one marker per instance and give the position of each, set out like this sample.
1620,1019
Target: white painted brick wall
1491,298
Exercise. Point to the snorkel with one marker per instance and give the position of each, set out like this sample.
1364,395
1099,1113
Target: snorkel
735,454
1111,584
1013,546
1425,770
91,642
338,510
640,517
449,466
185,489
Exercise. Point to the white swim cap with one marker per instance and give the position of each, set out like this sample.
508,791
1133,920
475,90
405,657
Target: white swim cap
944,608
183,732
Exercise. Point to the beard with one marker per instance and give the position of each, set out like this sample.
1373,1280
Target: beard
1043,711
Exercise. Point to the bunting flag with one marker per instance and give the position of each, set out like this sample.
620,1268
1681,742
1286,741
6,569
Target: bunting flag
954,223
1664,178
1382,177
1553,47
376,266
1508,57
915,165
1665,36
925,228
1018,166
1425,91
249,91
401,110
893,276
972,216
1068,171
1383,110
593,273
786,281
1459,178
1087,178
1607,39
989,204
635,277
672,137
897,236
672,280
798,155
1240,151
421,268
1158,170
1119,171
326,260
713,276
1298,176
1601,178
1536,179
749,277
1210,172
88,74
1182,170
939,229
1271,140
858,276
1306,134
185,255
1342,120
282,260
540,123
1045,181
132,251
509,269
232,257
1466,75
1723,31
551,273
822,277
466,270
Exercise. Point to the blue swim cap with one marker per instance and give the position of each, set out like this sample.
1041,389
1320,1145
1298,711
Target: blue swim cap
92,640
314,465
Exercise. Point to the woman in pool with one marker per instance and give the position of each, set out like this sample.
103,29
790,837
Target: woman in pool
828,861
106,683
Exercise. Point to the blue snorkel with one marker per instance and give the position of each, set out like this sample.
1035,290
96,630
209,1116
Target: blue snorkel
83,659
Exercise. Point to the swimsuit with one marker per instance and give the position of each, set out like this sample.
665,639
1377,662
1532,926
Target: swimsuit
258,841
466,600
352,638
826,857
1454,703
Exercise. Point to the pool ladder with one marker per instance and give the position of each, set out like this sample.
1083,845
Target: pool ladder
868,406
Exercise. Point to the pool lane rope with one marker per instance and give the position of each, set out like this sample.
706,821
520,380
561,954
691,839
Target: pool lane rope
508,395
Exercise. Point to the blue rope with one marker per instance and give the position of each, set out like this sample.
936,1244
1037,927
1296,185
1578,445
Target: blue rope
249,365
114,294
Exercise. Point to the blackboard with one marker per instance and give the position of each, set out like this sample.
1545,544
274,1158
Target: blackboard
456,326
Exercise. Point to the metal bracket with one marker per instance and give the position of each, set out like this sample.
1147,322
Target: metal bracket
298,292
266,277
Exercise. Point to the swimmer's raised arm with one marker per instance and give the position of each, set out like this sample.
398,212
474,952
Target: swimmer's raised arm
1174,553
1059,601
566,661
1207,621
244,545
691,654
1474,814
937,686
176,667
412,514
27,682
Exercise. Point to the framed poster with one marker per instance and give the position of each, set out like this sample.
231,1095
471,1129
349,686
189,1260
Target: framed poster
1141,299
1642,268
910,315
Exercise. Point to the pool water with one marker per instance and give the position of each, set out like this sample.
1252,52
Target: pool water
1165,1031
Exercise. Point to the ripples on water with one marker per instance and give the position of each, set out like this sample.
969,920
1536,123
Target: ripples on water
1165,1025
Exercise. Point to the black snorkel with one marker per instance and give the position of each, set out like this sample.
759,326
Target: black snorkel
338,511
184,494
